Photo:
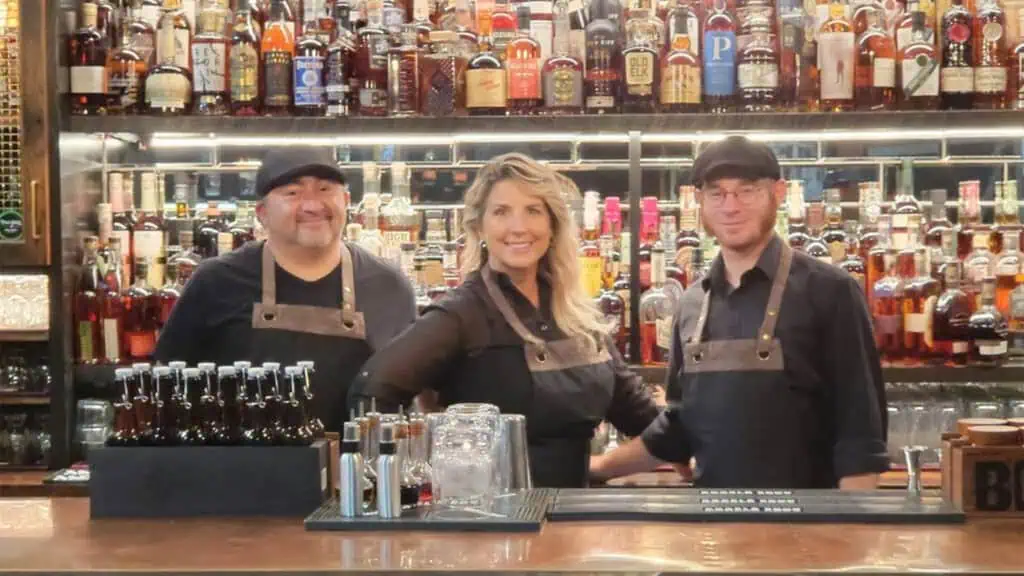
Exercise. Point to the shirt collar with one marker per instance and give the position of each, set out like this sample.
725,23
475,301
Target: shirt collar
767,264
523,307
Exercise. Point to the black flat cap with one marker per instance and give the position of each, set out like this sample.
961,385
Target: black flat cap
735,157
287,163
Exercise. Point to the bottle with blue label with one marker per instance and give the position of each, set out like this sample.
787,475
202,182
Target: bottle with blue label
309,96
719,57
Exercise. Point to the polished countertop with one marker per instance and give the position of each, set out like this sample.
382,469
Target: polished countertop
56,535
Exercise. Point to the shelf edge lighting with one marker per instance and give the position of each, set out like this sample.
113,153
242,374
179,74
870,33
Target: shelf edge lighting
867,135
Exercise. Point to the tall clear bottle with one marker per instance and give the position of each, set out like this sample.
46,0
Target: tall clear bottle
340,65
399,221
211,63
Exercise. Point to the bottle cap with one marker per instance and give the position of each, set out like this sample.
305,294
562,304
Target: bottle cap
271,366
177,365
291,371
242,365
190,372
350,432
141,366
206,366
162,371
305,364
224,371
257,372
123,372
387,434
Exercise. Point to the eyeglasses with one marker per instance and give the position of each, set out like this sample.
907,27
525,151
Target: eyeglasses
745,195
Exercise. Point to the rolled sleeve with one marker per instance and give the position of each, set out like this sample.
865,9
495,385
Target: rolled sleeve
858,394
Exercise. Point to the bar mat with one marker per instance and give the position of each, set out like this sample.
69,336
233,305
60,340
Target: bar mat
738,505
520,512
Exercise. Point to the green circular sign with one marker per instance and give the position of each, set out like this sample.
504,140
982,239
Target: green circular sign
12,226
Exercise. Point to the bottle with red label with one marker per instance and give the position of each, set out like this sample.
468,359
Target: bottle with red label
648,237
523,62
957,76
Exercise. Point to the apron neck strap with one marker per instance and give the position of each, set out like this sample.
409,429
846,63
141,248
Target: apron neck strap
269,279
505,308
348,283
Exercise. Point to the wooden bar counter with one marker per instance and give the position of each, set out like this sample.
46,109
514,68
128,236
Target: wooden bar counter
55,535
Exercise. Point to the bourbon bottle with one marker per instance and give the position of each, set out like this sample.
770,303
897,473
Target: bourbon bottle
919,69
210,65
1015,93
875,78
719,54
88,66
886,304
680,67
758,69
308,96
988,330
341,54
442,76
372,63
140,311
957,76
920,295
245,66
404,75
603,76
562,74
277,51
836,60
990,66
127,70
523,59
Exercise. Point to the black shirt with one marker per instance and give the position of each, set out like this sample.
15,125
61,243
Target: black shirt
828,347
212,321
462,347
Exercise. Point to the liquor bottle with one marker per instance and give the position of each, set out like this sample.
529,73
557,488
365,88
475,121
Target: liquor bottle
399,222
393,17
978,265
621,287
1007,210
1015,318
522,58
648,238
680,67
165,422
245,65
656,311
758,69
904,206
371,67
919,69
277,51
210,66
308,95
851,261
792,39
370,237
719,59
232,400
968,215
504,24
640,63
149,236
485,82
339,67
404,78
687,241
870,204
563,73
1007,270
418,465
920,294
208,230
175,19
126,70
168,294
256,428
990,66
186,398
140,314
875,78
142,33
602,74
1015,93
939,226
987,329
274,401
886,304
88,345
798,237
957,76
837,58
187,260
309,419
817,248
589,252
125,432
442,76
108,22
208,406
150,12
902,27
168,86
88,66
834,235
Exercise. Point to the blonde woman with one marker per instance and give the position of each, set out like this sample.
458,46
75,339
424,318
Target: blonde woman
519,332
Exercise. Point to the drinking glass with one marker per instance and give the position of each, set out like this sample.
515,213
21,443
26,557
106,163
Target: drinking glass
463,458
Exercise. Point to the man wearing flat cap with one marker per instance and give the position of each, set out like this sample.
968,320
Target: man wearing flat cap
774,378
303,294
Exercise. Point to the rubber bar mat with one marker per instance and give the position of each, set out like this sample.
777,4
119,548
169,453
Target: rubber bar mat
520,512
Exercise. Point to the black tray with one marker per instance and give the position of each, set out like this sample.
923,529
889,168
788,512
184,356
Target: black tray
521,512
709,505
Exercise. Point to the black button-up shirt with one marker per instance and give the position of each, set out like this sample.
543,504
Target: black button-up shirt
826,335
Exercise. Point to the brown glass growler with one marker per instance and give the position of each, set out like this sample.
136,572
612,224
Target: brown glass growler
209,406
295,431
191,430
275,403
142,401
231,390
165,425
125,431
316,427
178,398
255,430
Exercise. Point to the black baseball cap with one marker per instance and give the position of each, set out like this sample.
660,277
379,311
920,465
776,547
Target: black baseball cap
735,157
288,163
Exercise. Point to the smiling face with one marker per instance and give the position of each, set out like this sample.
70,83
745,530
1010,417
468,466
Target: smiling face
740,213
516,226
308,212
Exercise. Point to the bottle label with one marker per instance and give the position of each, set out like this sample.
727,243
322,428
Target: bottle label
245,73
377,47
1017,303
182,47
904,36
991,347
125,85
640,73
663,333
336,78
563,87
883,73
225,243
992,32
915,323
209,62
393,240
887,324
85,348
111,339
543,32
373,98
590,275
151,15
680,84
990,79
88,80
141,344
168,91
598,102
836,65
309,85
957,80
149,244
837,252
485,88
719,63
277,74
920,76
523,79
759,76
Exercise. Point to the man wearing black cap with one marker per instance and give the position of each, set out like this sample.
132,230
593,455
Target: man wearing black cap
302,294
774,375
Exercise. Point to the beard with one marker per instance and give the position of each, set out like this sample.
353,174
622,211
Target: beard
765,227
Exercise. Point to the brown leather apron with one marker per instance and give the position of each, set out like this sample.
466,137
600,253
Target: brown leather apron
333,338
748,425
573,385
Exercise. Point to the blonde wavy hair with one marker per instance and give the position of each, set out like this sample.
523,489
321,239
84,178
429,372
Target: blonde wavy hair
574,312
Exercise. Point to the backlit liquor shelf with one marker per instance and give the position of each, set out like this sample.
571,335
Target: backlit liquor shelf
1010,373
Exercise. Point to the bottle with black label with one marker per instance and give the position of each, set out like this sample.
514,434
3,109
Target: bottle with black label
341,55
245,63
277,49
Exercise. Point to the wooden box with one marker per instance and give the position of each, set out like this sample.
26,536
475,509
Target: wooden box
984,481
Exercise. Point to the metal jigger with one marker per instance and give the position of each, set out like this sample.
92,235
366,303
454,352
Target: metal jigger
912,458
513,451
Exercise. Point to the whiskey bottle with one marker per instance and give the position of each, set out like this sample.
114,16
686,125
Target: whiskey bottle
902,26
210,66
978,265
602,74
442,84
851,261
168,87
1015,93
175,19
886,305
680,67
798,237
126,71
149,236
485,83
339,67
621,287
404,77
168,294
640,64
919,69
656,311
920,294
140,312
504,24
522,57
758,69
1007,270
875,78
372,63
834,235
990,66
308,95
817,248
399,221
987,330
245,65
648,238
562,74
277,51
142,34
719,86
688,239
589,252
957,76
952,313
836,60
938,227
792,38
88,66
968,216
